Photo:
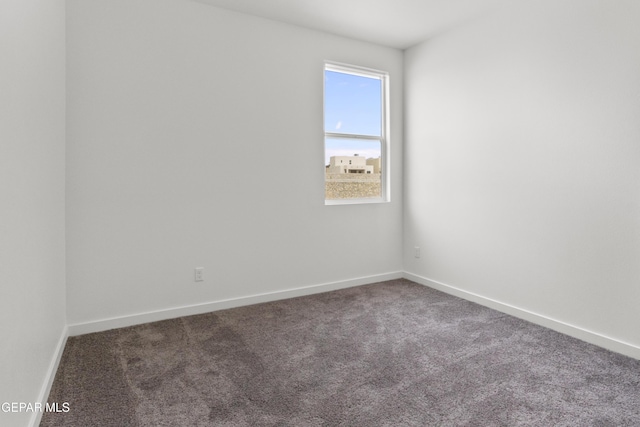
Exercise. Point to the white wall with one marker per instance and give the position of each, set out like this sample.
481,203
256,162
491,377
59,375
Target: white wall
522,161
32,144
167,101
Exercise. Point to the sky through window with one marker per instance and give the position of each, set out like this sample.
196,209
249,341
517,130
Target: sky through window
352,106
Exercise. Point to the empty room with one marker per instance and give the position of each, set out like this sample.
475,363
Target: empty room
320,213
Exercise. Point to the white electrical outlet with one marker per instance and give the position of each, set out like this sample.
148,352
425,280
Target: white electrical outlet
417,252
199,274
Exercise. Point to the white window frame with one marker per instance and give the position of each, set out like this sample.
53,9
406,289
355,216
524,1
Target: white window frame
383,76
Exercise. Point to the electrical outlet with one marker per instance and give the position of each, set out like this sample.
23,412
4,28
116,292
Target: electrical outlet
199,274
417,252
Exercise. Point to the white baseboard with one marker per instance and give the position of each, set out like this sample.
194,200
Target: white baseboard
136,319
559,326
36,417
171,313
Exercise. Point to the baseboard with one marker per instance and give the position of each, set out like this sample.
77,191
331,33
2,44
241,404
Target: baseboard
50,376
559,326
171,313
136,319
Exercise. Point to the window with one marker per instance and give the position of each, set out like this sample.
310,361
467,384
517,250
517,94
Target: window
355,135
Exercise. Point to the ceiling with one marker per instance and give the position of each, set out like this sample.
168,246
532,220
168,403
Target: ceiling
394,23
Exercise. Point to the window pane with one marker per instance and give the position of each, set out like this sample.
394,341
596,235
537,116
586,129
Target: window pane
352,104
352,168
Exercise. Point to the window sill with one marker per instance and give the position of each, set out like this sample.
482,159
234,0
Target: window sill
364,201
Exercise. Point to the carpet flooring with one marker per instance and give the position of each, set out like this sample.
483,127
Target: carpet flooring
388,354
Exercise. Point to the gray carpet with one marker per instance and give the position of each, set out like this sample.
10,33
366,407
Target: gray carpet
388,354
